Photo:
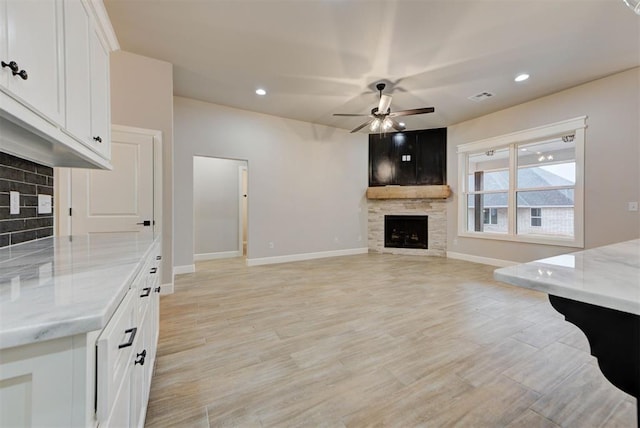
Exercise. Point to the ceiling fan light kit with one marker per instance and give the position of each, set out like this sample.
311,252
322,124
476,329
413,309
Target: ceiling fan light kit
381,117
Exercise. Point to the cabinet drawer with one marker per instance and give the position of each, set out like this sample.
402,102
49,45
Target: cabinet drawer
114,353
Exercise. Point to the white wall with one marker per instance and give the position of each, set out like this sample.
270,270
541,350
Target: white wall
142,97
612,161
216,211
307,182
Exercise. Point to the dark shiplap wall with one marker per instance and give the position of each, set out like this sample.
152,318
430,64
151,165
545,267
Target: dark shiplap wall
30,179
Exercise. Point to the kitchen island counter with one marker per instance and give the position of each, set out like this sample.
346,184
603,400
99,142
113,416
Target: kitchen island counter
58,287
607,276
598,290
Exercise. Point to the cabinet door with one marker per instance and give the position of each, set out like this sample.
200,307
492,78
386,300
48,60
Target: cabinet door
34,30
4,72
36,384
78,82
100,114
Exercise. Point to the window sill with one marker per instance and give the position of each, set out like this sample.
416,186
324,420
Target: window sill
527,239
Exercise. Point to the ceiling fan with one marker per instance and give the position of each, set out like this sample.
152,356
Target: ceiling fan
382,118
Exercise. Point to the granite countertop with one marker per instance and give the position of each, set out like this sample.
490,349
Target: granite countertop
607,276
57,287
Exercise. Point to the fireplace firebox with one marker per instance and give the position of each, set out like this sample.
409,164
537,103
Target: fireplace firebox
406,231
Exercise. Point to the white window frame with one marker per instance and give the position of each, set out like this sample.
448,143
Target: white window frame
575,127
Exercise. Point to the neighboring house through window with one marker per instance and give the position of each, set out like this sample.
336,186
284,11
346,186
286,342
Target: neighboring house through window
509,183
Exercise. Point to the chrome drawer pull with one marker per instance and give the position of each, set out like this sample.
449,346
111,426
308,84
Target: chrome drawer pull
140,358
153,270
147,291
133,332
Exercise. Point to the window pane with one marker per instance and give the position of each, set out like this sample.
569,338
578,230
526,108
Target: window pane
546,164
555,209
493,218
489,171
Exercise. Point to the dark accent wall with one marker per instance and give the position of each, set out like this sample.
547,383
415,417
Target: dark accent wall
408,158
30,179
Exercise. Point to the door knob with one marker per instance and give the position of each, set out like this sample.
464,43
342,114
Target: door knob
145,223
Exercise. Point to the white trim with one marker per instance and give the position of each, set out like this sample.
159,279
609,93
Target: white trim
577,127
219,255
241,237
305,256
545,131
102,20
479,259
166,289
179,270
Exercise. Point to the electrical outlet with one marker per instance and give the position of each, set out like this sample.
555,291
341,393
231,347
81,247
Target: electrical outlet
14,202
44,204
633,206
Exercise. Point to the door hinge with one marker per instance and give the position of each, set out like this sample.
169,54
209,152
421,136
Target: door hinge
69,212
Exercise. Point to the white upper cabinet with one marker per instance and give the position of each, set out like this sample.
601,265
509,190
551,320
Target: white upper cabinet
77,61
54,83
33,43
87,89
100,105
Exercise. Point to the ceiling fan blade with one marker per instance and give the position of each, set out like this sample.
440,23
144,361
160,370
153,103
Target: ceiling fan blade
362,126
385,102
413,111
349,114
397,126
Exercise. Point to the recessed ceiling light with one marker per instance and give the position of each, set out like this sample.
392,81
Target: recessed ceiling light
261,91
401,123
524,150
521,77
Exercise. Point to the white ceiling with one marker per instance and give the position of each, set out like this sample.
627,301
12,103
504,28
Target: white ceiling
318,57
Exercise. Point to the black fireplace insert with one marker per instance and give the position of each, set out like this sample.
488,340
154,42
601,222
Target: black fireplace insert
406,231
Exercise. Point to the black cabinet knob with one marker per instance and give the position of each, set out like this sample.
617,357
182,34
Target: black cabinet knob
98,139
13,66
140,358
157,289
21,73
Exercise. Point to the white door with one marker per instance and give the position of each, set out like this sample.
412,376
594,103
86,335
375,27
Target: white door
120,200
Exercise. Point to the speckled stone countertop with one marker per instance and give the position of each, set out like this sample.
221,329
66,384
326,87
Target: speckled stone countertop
607,276
57,287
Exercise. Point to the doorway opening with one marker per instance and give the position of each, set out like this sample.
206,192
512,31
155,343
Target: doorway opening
220,207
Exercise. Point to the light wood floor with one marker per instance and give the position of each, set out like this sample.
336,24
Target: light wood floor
372,340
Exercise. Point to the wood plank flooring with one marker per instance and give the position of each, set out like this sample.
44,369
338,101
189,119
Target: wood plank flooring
371,340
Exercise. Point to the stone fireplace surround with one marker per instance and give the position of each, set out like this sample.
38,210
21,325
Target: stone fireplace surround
434,208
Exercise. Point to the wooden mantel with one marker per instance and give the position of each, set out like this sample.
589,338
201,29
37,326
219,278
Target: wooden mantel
409,192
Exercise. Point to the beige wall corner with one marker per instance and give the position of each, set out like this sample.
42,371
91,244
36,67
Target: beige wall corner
142,97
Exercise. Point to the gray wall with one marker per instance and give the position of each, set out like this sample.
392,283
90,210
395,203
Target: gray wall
307,182
216,199
612,161
142,97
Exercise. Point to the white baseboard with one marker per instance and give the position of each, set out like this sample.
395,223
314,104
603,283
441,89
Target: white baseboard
166,289
305,256
220,255
479,259
179,270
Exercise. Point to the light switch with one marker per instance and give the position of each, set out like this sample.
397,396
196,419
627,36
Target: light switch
14,202
44,204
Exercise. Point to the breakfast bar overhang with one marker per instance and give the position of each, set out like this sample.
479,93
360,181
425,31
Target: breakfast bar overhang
598,290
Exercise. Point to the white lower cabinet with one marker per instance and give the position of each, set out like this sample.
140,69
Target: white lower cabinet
31,393
101,378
